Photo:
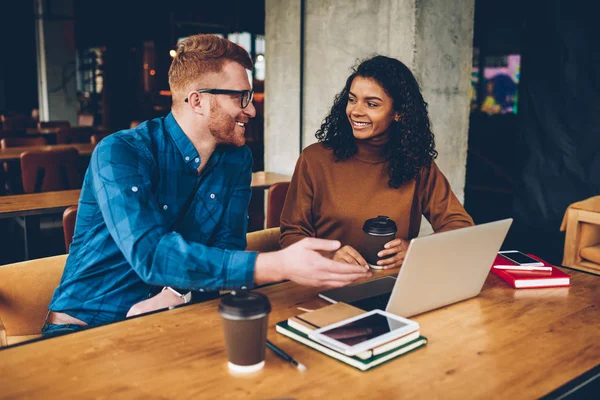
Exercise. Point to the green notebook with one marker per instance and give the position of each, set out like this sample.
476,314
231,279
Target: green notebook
283,328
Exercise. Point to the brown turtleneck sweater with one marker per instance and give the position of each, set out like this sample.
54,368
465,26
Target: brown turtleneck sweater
332,200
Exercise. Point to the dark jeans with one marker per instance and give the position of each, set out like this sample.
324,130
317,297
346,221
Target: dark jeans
52,330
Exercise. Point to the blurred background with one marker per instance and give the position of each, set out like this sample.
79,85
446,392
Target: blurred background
530,99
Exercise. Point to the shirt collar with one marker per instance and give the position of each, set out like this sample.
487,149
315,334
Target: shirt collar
189,154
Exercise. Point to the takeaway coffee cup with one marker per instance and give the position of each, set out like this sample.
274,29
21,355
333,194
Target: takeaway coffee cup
245,316
377,232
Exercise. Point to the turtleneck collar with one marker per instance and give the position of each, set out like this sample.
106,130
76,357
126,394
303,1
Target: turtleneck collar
372,151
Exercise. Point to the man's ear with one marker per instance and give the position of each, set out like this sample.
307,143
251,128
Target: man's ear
198,102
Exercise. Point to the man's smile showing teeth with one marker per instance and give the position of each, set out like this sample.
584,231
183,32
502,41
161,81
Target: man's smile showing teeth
357,124
242,124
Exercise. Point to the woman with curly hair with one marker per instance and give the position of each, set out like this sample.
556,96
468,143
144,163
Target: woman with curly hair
375,156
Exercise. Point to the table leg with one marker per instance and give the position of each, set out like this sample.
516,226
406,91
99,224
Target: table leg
32,234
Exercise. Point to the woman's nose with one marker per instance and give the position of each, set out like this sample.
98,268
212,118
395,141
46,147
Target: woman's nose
356,109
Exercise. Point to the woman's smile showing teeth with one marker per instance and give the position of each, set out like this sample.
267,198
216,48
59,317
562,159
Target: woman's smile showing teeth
359,125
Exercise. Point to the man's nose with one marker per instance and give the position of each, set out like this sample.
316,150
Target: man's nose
250,110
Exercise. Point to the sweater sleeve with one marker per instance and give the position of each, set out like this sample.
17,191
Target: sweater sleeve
296,220
439,204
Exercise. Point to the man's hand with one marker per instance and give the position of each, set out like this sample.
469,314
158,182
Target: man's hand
397,248
349,255
164,299
302,263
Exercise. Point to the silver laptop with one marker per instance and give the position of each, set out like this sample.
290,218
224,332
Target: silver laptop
438,270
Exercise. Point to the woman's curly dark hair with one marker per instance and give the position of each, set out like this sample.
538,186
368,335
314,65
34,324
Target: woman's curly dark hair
411,145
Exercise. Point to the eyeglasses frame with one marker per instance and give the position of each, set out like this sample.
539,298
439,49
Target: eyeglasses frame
242,93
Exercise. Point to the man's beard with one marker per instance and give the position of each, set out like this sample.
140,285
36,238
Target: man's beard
222,127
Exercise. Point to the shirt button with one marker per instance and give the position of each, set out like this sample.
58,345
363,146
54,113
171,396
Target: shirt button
187,159
197,160
134,189
212,195
165,207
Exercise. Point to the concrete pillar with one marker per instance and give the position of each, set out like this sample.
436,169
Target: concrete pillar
56,58
282,85
432,37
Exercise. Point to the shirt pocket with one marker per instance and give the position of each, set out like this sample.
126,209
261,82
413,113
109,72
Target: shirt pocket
210,211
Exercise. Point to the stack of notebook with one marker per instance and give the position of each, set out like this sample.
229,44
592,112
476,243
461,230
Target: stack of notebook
519,279
300,326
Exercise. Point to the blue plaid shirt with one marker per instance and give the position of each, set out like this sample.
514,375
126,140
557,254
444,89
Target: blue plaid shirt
124,244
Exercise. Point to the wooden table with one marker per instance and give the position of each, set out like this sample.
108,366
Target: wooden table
41,131
37,203
52,202
263,180
14,153
31,206
505,343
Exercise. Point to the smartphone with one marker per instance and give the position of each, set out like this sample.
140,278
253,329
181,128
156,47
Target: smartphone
363,332
521,258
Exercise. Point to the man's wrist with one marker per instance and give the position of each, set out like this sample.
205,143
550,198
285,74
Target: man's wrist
185,295
269,268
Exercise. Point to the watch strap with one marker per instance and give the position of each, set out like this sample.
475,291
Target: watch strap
187,297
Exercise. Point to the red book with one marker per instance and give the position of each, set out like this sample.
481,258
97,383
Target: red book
533,279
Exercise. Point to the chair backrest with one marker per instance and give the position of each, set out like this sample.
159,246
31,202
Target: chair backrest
275,201
54,124
26,289
14,123
85,119
50,170
97,137
79,134
263,240
18,141
68,220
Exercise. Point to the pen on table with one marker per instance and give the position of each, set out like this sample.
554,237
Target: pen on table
286,356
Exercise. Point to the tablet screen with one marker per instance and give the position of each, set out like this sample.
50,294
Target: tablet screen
363,329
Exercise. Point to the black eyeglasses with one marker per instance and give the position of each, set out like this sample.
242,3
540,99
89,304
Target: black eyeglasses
245,95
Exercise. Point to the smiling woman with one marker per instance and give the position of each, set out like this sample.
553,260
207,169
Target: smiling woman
369,109
375,157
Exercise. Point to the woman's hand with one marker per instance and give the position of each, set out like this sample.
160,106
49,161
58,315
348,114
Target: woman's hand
349,255
397,249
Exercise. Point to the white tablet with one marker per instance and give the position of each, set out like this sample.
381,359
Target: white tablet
363,332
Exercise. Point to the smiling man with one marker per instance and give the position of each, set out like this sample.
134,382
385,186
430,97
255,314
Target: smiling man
163,208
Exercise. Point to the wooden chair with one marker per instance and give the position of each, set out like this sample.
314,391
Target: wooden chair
264,240
14,123
26,289
85,119
134,123
582,240
53,124
97,137
12,172
22,141
50,170
79,134
275,201
68,222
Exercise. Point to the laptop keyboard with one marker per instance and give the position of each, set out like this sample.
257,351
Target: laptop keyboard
373,303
